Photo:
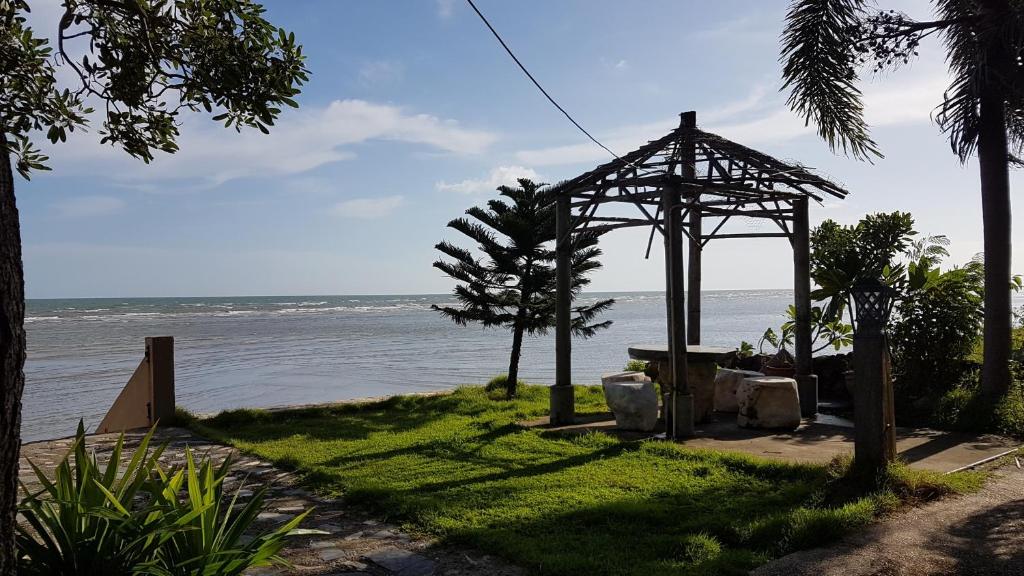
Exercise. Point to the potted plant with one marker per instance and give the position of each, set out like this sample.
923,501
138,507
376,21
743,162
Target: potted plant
781,363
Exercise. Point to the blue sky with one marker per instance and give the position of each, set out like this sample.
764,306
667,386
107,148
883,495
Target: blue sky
413,114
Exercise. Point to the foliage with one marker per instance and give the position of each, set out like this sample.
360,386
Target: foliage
826,44
500,383
144,62
779,340
458,467
633,365
843,255
965,408
513,285
936,326
211,538
91,519
746,350
85,518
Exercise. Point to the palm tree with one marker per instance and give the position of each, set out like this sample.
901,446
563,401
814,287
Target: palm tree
827,42
513,286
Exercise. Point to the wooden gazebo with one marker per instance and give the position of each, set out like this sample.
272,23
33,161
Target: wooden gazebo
688,184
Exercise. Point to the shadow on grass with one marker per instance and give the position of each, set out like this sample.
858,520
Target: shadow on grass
458,467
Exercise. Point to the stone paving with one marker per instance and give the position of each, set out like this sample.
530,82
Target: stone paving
356,544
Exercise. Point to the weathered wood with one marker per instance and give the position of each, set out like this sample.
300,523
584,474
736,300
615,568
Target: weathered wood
682,400
562,397
688,153
807,383
748,235
869,417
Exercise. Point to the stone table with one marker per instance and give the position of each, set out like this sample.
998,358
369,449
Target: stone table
701,363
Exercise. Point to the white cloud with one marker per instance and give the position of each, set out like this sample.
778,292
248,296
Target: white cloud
88,206
368,208
904,97
500,176
381,73
302,140
445,8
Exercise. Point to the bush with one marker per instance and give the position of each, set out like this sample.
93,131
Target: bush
635,366
965,408
934,333
142,519
500,384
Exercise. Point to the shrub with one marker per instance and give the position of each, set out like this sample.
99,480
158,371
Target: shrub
635,366
937,325
965,408
500,383
95,520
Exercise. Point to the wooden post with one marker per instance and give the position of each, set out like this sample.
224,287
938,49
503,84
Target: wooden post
868,399
807,382
680,421
148,397
693,273
562,396
688,166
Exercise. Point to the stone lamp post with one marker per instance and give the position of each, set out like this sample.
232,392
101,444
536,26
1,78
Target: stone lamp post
874,420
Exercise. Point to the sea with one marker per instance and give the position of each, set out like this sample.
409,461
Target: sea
266,351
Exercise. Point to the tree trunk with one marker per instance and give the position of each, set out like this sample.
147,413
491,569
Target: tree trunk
995,208
12,357
513,362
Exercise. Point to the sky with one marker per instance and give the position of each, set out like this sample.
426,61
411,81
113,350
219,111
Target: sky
413,113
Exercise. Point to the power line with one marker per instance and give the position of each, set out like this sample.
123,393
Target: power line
536,83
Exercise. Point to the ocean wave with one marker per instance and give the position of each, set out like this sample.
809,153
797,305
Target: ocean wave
30,319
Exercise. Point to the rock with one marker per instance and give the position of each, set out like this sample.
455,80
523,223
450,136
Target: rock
331,554
726,382
768,402
635,404
700,375
624,377
275,517
402,562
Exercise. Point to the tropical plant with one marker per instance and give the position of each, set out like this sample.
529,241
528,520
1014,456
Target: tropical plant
142,63
745,350
827,43
513,285
84,521
843,255
210,536
90,519
936,325
634,365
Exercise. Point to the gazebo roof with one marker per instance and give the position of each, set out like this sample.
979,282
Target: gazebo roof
726,179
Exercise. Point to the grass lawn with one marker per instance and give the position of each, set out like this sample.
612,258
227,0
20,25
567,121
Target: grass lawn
458,467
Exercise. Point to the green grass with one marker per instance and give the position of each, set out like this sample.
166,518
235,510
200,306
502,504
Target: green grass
459,467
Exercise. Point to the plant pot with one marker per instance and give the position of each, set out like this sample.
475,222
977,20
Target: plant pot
785,371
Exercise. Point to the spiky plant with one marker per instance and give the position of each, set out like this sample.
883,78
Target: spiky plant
513,285
828,43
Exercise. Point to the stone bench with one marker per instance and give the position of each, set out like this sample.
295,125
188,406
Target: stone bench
727,381
632,399
768,402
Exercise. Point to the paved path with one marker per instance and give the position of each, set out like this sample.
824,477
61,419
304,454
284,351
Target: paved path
357,544
977,534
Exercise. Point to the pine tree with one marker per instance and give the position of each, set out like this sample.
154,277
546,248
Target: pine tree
513,285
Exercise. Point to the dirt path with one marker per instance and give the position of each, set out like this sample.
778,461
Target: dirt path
978,534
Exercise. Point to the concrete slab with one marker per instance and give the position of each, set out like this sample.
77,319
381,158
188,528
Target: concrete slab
817,442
